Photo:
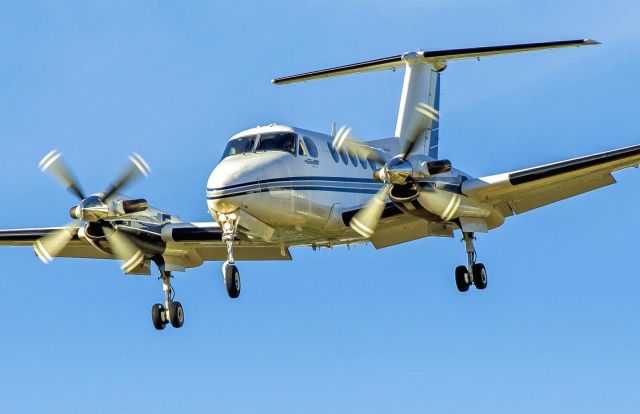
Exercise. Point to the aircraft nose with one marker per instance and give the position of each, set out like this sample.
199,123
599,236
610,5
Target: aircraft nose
229,181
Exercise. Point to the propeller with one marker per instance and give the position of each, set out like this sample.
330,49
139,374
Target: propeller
395,171
124,250
344,139
53,164
95,209
47,247
367,218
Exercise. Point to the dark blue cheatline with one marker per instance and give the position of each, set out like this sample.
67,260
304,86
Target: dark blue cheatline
311,183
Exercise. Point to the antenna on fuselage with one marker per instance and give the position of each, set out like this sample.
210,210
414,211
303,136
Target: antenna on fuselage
333,129
421,80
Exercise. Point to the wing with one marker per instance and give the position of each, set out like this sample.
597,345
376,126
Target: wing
183,244
520,191
76,247
193,243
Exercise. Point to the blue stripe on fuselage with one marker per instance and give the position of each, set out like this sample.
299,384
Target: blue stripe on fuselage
309,178
300,188
261,186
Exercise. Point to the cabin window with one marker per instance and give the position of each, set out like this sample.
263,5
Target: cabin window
354,159
363,162
311,147
240,145
277,141
344,156
333,152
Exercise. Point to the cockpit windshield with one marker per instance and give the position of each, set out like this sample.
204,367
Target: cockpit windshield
240,145
277,141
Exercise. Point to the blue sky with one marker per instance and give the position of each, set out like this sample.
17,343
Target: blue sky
333,331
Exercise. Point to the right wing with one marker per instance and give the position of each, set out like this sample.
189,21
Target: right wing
520,191
76,247
189,244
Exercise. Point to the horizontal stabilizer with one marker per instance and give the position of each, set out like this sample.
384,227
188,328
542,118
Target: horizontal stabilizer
439,57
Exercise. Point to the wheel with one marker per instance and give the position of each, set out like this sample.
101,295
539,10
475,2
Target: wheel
462,277
232,280
479,276
176,314
157,313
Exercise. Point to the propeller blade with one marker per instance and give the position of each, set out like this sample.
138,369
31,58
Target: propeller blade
366,220
52,163
345,140
124,249
138,167
427,111
48,247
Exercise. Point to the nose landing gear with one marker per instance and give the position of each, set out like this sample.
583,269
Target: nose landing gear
474,273
231,279
230,271
169,312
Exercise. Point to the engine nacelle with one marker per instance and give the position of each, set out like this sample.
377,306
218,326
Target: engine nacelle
404,193
93,209
449,206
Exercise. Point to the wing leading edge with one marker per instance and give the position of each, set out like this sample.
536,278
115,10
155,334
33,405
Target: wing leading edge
520,191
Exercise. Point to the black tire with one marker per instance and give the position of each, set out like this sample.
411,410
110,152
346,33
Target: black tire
176,314
479,276
461,278
232,281
157,311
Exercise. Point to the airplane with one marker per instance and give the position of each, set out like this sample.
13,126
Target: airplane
280,186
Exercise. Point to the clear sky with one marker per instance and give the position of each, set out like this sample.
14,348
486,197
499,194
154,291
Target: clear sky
333,331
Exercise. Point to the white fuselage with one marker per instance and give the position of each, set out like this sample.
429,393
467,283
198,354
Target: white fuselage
301,195
291,191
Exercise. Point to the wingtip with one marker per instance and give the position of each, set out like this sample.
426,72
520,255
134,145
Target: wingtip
591,42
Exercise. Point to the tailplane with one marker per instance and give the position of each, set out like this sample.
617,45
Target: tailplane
418,115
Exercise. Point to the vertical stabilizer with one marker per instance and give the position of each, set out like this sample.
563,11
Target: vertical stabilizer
419,98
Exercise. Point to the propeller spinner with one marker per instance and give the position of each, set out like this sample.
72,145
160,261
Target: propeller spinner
95,210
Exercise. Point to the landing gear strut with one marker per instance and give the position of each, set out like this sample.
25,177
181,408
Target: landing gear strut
170,311
474,273
230,271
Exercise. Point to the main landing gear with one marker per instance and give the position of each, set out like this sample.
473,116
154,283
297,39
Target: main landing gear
474,273
170,311
230,271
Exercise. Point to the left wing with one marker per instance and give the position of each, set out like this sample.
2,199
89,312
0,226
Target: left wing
520,191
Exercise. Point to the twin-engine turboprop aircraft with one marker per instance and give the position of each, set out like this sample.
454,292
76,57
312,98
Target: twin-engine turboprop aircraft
279,186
